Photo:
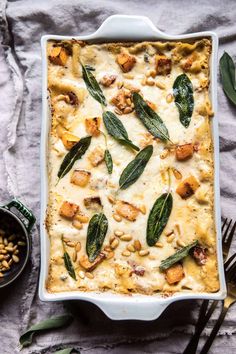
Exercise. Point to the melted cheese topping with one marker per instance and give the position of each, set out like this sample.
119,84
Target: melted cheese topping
190,219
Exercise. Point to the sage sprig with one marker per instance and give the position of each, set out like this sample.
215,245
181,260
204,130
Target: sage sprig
92,85
183,93
67,261
108,161
158,218
77,151
150,118
227,71
52,323
135,168
177,256
117,130
96,233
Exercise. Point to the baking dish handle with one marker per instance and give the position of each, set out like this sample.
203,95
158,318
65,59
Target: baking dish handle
143,311
138,27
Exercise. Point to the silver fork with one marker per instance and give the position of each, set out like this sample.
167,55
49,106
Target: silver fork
227,302
205,315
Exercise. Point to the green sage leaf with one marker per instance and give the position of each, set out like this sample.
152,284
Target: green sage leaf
158,218
177,256
150,118
89,67
108,161
117,130
69,266
96,233
227,71
51,323
77,151
67,351
135,168
93,86
183,93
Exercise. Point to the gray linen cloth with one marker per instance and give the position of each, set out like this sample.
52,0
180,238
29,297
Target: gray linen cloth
22,24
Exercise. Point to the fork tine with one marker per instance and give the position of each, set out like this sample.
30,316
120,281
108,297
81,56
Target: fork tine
224,223
231,271
226,231
231,234
227,263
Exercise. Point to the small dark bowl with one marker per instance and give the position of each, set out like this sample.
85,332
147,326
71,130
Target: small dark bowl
19,223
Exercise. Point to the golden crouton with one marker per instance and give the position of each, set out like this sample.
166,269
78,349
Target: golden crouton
127,210
125,61
163,65
68,210
80,177
89,266
187,187
92,125
69,140
93,203
96,156
107,80
184,152
175,273
58,56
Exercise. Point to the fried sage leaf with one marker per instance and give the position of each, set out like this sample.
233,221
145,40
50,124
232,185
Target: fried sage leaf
117,130
183,93
51,323
77,151
108,161
150,118
158,217
92,85
67,351
176,257
135,168
69,266
97,230
227,71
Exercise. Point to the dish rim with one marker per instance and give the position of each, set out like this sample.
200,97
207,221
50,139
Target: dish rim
128,28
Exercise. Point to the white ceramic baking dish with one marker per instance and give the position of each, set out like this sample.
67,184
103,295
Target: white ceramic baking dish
115,306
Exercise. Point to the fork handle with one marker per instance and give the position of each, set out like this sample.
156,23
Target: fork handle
214,331
203,319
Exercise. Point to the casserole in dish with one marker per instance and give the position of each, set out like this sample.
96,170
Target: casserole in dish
139,223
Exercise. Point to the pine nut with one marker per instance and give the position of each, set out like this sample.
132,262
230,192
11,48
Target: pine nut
118,233
110,255
117,217
150,81
164,154
70,243
180,243
117,111
1,239
126,253
77,224
3,251
81,274
151,257
1,257
74,256
137,245
168,232
130,248
89,275
10,262
160,85
127,110
111,199
176,173
82,218
143,253
143,209
5,264
10,244
12,237
107,248
1,275
16,251
15,258
10,249
78,247
169,98
114,243
170,238
159,244
2,246
126,237
5,241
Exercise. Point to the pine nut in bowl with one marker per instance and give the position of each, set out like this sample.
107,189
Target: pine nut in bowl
15,242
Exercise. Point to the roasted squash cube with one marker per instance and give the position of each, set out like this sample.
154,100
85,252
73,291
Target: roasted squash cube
80,177
163,65
89,266
174,274
184,152
69,140
127,210
58,56
96,156
107,80
93,125
125,61
187,187
68,210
